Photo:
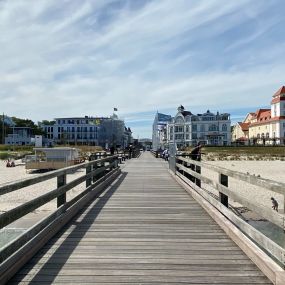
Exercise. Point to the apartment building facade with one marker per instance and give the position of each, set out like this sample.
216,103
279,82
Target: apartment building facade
187,129
101,131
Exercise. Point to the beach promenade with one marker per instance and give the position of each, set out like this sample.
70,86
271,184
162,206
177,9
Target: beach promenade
143,229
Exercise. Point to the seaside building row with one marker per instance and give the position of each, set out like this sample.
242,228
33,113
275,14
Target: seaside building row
100,131
265,126
187,129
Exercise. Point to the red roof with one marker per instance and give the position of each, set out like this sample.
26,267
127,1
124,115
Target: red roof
260,112
280,91
244,126
263,115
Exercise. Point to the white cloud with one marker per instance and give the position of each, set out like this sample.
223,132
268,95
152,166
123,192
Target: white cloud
72,58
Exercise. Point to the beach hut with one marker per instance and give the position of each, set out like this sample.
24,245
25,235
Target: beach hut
53,158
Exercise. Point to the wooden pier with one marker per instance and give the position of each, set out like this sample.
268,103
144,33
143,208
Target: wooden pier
143,229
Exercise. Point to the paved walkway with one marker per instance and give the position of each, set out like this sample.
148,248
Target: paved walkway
144,229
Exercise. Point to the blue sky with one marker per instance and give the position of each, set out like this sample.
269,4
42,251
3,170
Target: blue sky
76,58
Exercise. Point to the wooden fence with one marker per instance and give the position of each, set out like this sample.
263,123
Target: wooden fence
190,171
99,174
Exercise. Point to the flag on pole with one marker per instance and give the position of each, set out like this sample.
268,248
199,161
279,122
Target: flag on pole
115,109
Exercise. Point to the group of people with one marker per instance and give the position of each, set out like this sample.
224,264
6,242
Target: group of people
10,163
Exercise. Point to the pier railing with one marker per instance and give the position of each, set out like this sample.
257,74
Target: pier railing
99,174
190,171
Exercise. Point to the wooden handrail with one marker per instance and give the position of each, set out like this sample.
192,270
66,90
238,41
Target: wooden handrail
190,171
96,173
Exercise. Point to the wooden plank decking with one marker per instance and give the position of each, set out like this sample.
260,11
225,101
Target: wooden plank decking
144,229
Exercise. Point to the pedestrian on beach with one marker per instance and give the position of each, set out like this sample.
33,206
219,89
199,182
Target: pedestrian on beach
274,204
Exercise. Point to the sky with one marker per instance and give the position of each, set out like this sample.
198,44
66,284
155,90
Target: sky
84,58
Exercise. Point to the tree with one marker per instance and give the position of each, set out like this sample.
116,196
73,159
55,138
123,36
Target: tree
36,130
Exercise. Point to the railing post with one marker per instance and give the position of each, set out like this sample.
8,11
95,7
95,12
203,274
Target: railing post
94,178
88,179
222,197
116,162
198,170
61,181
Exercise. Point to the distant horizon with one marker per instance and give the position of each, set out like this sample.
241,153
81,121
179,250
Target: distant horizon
87,57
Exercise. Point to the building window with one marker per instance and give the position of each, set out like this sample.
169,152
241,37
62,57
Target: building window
202,128
187,136
187,129
194,136
194,128
179,129
224,127
179,136
213,128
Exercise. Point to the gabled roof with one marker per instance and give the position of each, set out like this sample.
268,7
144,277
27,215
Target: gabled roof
244,126
263,115
280,91
262,112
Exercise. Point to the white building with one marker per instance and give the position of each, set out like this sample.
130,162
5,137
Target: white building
186,129
102,131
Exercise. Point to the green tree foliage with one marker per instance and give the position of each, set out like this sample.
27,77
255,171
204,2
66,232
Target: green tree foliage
46,122
28,123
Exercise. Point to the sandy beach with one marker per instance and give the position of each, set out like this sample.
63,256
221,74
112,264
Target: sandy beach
13,199
273,170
